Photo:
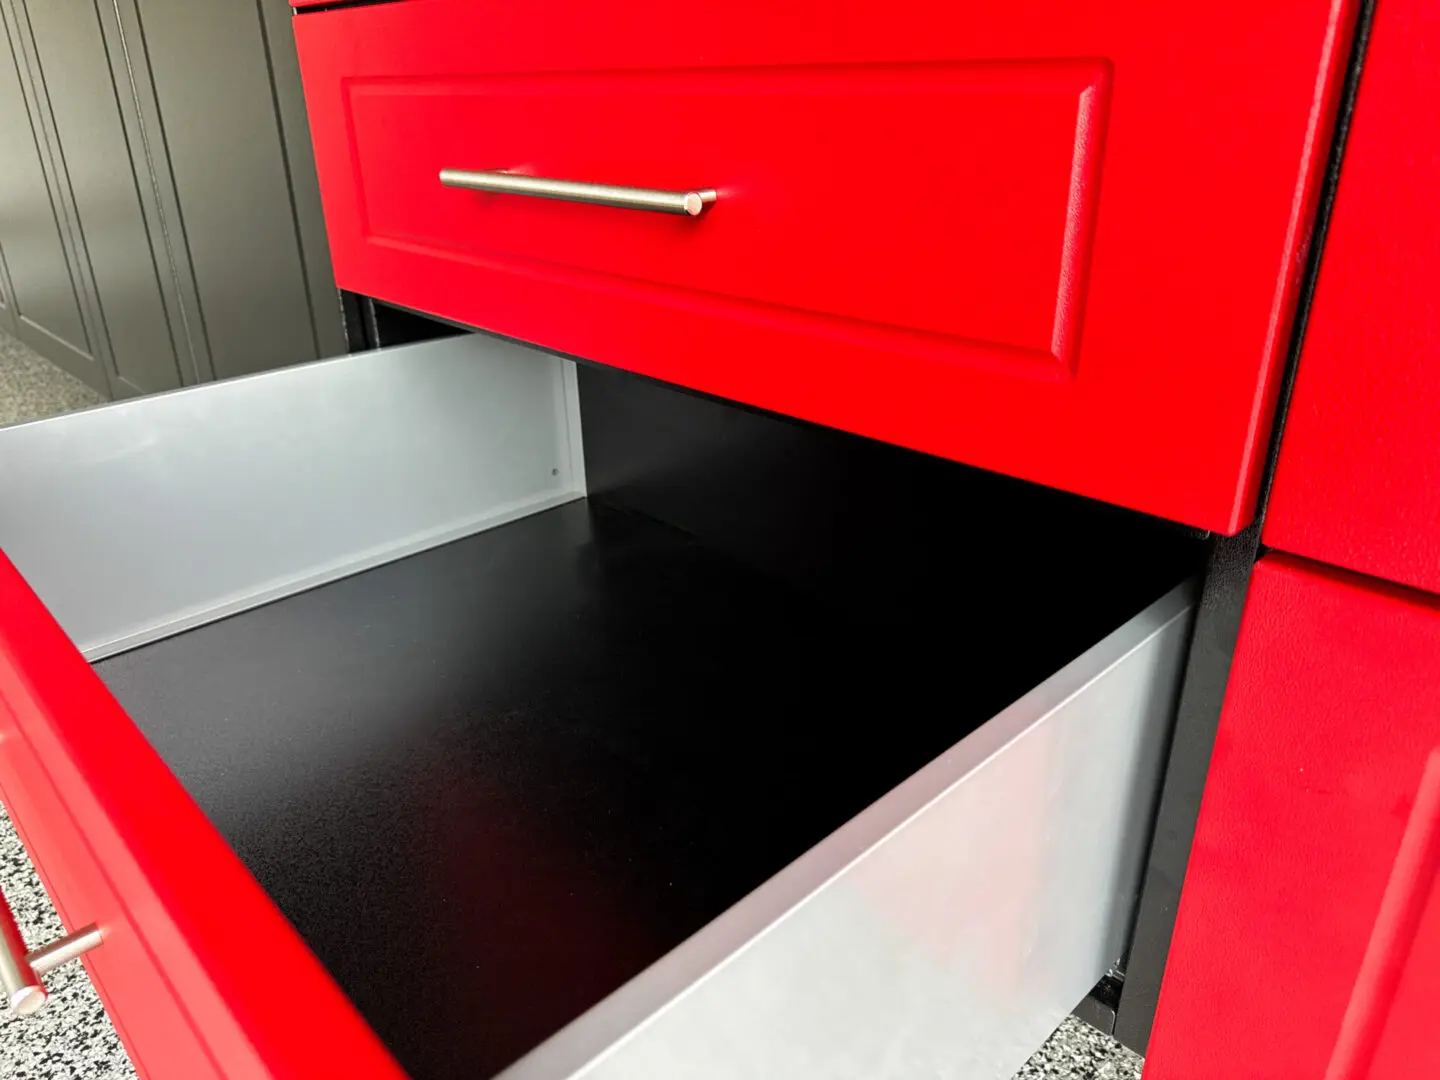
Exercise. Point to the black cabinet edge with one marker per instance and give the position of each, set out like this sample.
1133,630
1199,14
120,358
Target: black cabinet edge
1217,628
339,5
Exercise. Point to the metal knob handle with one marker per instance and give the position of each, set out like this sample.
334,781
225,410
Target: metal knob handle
689,203
21,971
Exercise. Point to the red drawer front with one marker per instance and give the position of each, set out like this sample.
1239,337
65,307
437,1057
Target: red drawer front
201,974
1358,483
151,1020
1056,243
1308,938
805,235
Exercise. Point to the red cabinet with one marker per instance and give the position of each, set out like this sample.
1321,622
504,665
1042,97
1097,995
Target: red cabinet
1358,483
1052,240
1308,937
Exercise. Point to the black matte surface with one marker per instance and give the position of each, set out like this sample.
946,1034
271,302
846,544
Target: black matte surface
491,782
905,538
400,326
1207,673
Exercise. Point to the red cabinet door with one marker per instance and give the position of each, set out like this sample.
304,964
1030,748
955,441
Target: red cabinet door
1056,240
1358,483
200,972
1308,938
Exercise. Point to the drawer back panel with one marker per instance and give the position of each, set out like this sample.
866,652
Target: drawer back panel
143,518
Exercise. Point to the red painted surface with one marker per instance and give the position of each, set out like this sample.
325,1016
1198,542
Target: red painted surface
1359,477
201,973
754,255
1055,240
1308,937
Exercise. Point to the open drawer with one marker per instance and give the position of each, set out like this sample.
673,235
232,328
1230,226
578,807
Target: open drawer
397,742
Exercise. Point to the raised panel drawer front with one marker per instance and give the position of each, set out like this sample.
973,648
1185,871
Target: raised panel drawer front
1058,241
806,236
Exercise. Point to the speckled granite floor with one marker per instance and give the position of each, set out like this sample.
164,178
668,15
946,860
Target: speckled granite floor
32,388
72,1039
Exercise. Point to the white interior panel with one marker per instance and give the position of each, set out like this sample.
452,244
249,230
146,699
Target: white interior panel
142,518
945,931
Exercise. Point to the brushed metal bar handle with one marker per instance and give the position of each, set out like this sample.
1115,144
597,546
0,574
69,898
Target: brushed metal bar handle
21,971
688,203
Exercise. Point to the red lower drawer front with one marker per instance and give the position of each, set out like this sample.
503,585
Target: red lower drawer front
1308,938
1054,241
201,974
160,1035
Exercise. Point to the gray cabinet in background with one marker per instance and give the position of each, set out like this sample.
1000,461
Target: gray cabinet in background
44,306
159,217
116,268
